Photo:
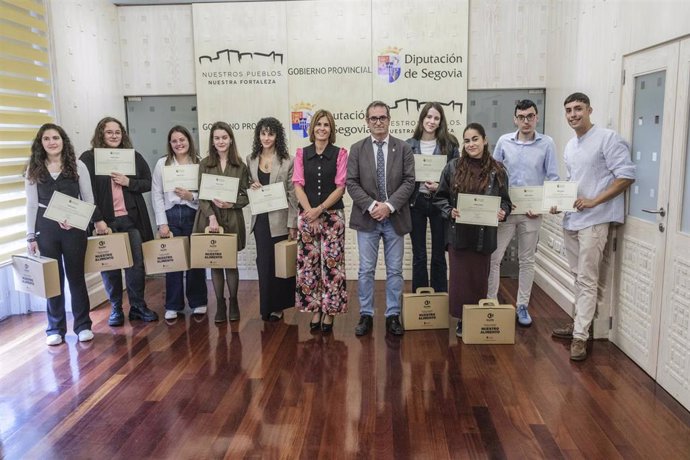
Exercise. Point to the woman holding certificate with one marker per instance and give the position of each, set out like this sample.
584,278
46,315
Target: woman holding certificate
120,177
53,167
320,170
270,163
471,244
431,137
175,207
224,160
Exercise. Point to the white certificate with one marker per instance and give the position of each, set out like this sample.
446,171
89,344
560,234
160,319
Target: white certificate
478,209
183,176
223,188
429,167
268,198
64,208
527,198
115,160
561,194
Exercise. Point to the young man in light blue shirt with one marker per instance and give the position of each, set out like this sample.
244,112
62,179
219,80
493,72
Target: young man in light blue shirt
597,159
530,158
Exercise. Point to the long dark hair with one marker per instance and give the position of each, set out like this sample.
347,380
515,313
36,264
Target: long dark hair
465,180
98,139
233,154
36,169
272,125
446,141
193,154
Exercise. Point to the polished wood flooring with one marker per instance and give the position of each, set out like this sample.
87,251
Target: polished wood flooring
190,389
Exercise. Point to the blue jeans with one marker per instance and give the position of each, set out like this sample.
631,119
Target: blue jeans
135,276
393,248
181,223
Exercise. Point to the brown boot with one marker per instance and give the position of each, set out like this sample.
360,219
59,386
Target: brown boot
578,350
221,311
234,309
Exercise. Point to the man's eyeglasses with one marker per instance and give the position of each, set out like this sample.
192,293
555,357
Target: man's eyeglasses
382,119
529,117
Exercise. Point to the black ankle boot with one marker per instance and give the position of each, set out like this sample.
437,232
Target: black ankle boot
234,309
143,313
117,317
221,311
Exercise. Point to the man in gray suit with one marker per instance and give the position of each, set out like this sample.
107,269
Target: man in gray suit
380,180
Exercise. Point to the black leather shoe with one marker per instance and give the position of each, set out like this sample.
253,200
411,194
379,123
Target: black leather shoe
117,317
315,325
393,325
364,326
143,313
327,328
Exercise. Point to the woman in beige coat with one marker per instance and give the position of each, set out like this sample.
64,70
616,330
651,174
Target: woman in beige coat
270,163
223,160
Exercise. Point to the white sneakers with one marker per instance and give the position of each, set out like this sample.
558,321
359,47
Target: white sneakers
53,339
201,310
170,314
86,335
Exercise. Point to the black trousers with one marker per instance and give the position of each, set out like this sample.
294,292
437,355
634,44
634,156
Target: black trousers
69,248
422,210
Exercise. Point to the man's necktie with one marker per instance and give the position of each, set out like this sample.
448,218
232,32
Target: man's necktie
380,171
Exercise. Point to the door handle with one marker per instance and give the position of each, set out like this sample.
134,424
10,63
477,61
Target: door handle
661,211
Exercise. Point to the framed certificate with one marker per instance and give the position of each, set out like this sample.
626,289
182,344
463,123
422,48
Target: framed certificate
64,208
115,160
221,187
527,198
478,209
561,194
183,176
268,198
429,167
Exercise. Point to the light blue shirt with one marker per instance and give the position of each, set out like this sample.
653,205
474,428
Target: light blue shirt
594,161
527,163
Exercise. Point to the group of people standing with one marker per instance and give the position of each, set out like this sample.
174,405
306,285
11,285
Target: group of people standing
387,203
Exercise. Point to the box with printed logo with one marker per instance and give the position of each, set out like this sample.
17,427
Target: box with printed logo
488,323
213,250
166,255
36,275
425,309
108,252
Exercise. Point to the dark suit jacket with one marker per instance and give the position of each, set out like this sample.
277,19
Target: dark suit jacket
361,183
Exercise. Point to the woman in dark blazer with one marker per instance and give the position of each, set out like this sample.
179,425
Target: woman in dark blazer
470,246
223,160
270,163
431,137
120,203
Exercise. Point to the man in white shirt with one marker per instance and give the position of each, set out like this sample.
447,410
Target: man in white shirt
598,159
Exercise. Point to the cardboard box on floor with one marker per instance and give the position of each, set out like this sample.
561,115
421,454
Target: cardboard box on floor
166,255
286,258
213,250
108,252
488,323
36,275
425,309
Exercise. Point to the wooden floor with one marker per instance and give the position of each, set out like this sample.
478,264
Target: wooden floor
190,389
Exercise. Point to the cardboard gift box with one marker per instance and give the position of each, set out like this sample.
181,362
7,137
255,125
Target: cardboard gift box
166,255
213,250
425,309
286,258
488,323
108,252
36,275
